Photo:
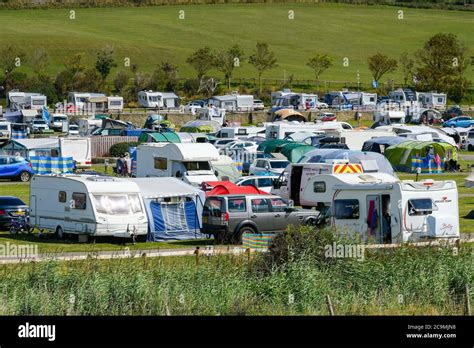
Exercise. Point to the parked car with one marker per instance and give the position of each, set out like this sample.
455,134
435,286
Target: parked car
39,126
240,145
321,105
326,117
15,167
451,112
228,217
268,165
470,140
220,143
258,104
73,129
262,182
246,165
459,121
195,104
11,208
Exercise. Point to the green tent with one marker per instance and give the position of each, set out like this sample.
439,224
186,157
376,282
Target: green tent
294,151
270,146
165,137
411,155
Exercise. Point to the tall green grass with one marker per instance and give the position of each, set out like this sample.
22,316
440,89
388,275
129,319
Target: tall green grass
406,281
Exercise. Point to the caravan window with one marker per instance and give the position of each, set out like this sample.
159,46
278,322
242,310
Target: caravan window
117,204
198,165
421,206
79,201
62,196
346,209
161,163
319,186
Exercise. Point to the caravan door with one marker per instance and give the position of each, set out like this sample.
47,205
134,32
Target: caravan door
373,219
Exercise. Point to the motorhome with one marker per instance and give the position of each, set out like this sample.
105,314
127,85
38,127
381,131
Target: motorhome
240,132
5,130
432,100
233,102
381,208
155,99
17,101
92,206
191,162
281,130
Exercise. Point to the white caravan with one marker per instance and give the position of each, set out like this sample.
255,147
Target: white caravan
389,116
95,101
115,103
155,99
355,139
281,130
17,100
233,102
240,132
5,130
211,113
296,101
87,205
191,162
379,207
432,100
79,148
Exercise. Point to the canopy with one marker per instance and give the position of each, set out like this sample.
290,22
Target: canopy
200,126
370,161
379,144
289,114
270,146
294,151
173,207
165,137
227,187
429,156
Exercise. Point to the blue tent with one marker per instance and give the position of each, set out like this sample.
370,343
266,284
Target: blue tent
174,208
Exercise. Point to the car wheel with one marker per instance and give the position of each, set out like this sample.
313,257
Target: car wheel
60,232
24,176
237,236
453,126
13,230
470,147
311,221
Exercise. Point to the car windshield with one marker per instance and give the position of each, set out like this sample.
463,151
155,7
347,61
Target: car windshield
119,204
279,164
11,201
39,122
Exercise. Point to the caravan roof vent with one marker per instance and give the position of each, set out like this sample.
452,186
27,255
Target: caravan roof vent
101,178
368,178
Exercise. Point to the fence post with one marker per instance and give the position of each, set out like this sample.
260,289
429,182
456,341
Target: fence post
468,301
330,307
196,252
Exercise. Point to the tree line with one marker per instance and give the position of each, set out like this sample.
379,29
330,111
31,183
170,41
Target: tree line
439,65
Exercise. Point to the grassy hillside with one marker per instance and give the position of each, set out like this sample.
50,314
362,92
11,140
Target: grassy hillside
148,35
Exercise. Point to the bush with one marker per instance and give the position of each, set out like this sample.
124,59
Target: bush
119,149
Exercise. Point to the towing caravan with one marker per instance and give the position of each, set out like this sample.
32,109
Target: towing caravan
381,208
87,205
190,162
17,101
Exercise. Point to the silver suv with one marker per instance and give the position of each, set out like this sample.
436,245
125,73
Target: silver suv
228,217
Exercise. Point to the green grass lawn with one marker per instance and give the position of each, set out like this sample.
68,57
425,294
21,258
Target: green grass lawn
149,35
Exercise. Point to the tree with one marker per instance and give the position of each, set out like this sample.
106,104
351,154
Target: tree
262,59
165,77
11,57
319,63
202,61
407,65
105,61
228,60
120,81
441,66
380,64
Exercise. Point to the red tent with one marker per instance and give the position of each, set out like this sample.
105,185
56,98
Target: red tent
227,187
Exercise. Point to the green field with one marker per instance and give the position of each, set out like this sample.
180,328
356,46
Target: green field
149,35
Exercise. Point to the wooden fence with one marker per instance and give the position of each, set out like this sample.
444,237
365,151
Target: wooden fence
101,145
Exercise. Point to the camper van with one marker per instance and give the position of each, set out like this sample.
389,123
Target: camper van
281,130
17,101
191,162
154,99
87,205
233,102
432,100
240,132
380,207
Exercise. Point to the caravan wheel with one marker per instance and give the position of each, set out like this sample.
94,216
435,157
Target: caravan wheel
60,232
